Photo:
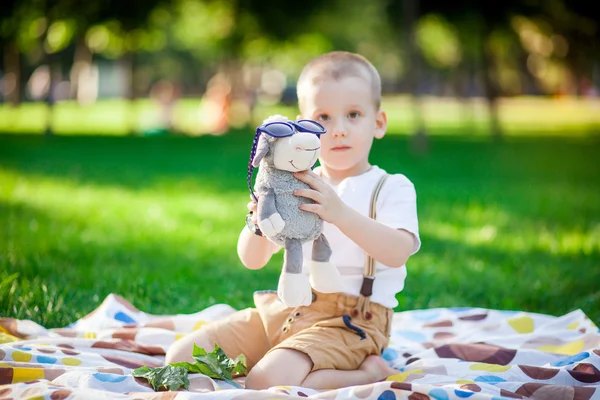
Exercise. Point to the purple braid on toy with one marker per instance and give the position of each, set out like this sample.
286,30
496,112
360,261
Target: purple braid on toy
250,166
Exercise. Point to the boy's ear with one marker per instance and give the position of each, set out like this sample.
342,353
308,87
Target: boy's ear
298,117
380,124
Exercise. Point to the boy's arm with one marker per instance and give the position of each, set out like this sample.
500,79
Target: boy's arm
254,251
391,247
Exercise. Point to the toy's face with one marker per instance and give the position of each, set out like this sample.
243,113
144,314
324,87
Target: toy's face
298,152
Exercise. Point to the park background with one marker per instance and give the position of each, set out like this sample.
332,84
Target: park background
126,126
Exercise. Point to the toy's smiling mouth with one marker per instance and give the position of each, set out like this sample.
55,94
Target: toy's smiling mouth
300,148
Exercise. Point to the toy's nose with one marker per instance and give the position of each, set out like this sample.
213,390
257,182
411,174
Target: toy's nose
306,141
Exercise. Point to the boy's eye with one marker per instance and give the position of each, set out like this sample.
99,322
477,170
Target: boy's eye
323,117
354,115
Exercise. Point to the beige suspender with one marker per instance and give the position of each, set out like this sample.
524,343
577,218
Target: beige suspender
366,289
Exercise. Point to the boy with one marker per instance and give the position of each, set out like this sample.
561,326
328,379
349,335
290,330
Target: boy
322,346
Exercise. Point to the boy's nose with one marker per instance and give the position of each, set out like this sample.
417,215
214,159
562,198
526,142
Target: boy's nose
339,130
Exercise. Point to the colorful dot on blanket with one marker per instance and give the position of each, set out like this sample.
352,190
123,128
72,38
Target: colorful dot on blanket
27,374
492,380
463,394
47,351
573,326
390,354
489,367
460,309
522,324
471,387
21,356
412,336
46,360
121,316
569,348
387,395
199,325
111,378
71,361
438,394
476,317
464,381
425,315
60,394
571,360
401,377
538,373
586,373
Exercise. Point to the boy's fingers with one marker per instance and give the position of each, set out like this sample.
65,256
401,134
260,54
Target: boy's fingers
311,179
314,208
252,206
309,194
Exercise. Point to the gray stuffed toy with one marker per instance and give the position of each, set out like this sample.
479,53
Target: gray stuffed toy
283,147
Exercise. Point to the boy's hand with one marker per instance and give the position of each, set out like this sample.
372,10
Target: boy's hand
328,204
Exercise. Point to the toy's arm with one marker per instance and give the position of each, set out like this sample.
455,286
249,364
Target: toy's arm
269,219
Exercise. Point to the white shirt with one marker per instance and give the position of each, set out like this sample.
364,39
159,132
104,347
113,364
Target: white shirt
396,207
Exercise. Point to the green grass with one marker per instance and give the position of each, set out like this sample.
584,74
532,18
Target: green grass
511,225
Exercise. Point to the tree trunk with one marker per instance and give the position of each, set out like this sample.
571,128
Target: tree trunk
127,63
12,74
82,64
419,137
55,77
489,84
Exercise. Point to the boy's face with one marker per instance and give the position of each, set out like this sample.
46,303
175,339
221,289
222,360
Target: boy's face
346,108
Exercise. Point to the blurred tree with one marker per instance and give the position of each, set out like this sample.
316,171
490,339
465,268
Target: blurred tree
10,11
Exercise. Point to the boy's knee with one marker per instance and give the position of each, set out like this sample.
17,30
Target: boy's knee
177,354
259,379
181,350
280,367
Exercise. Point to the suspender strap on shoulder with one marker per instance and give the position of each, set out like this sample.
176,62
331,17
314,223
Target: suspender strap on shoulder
366,290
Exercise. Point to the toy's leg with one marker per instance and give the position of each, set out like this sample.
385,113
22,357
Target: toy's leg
269,220
324,276
294,288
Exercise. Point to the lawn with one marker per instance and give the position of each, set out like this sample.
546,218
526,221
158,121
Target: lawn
511,225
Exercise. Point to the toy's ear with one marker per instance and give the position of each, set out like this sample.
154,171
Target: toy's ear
261,150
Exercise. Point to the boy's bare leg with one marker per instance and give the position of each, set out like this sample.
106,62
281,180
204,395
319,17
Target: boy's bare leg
373,369
181,350
292,368
279,367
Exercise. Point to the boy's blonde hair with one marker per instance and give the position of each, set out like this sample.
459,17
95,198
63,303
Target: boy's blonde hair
337,65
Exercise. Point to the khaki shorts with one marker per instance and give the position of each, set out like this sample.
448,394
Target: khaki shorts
324,330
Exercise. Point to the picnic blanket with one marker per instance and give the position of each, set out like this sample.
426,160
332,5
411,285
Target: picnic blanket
441,353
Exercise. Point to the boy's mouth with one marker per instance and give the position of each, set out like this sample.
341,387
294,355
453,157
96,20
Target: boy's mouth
340,148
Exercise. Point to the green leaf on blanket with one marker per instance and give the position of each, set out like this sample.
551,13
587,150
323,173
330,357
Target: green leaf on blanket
215,364
168,377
